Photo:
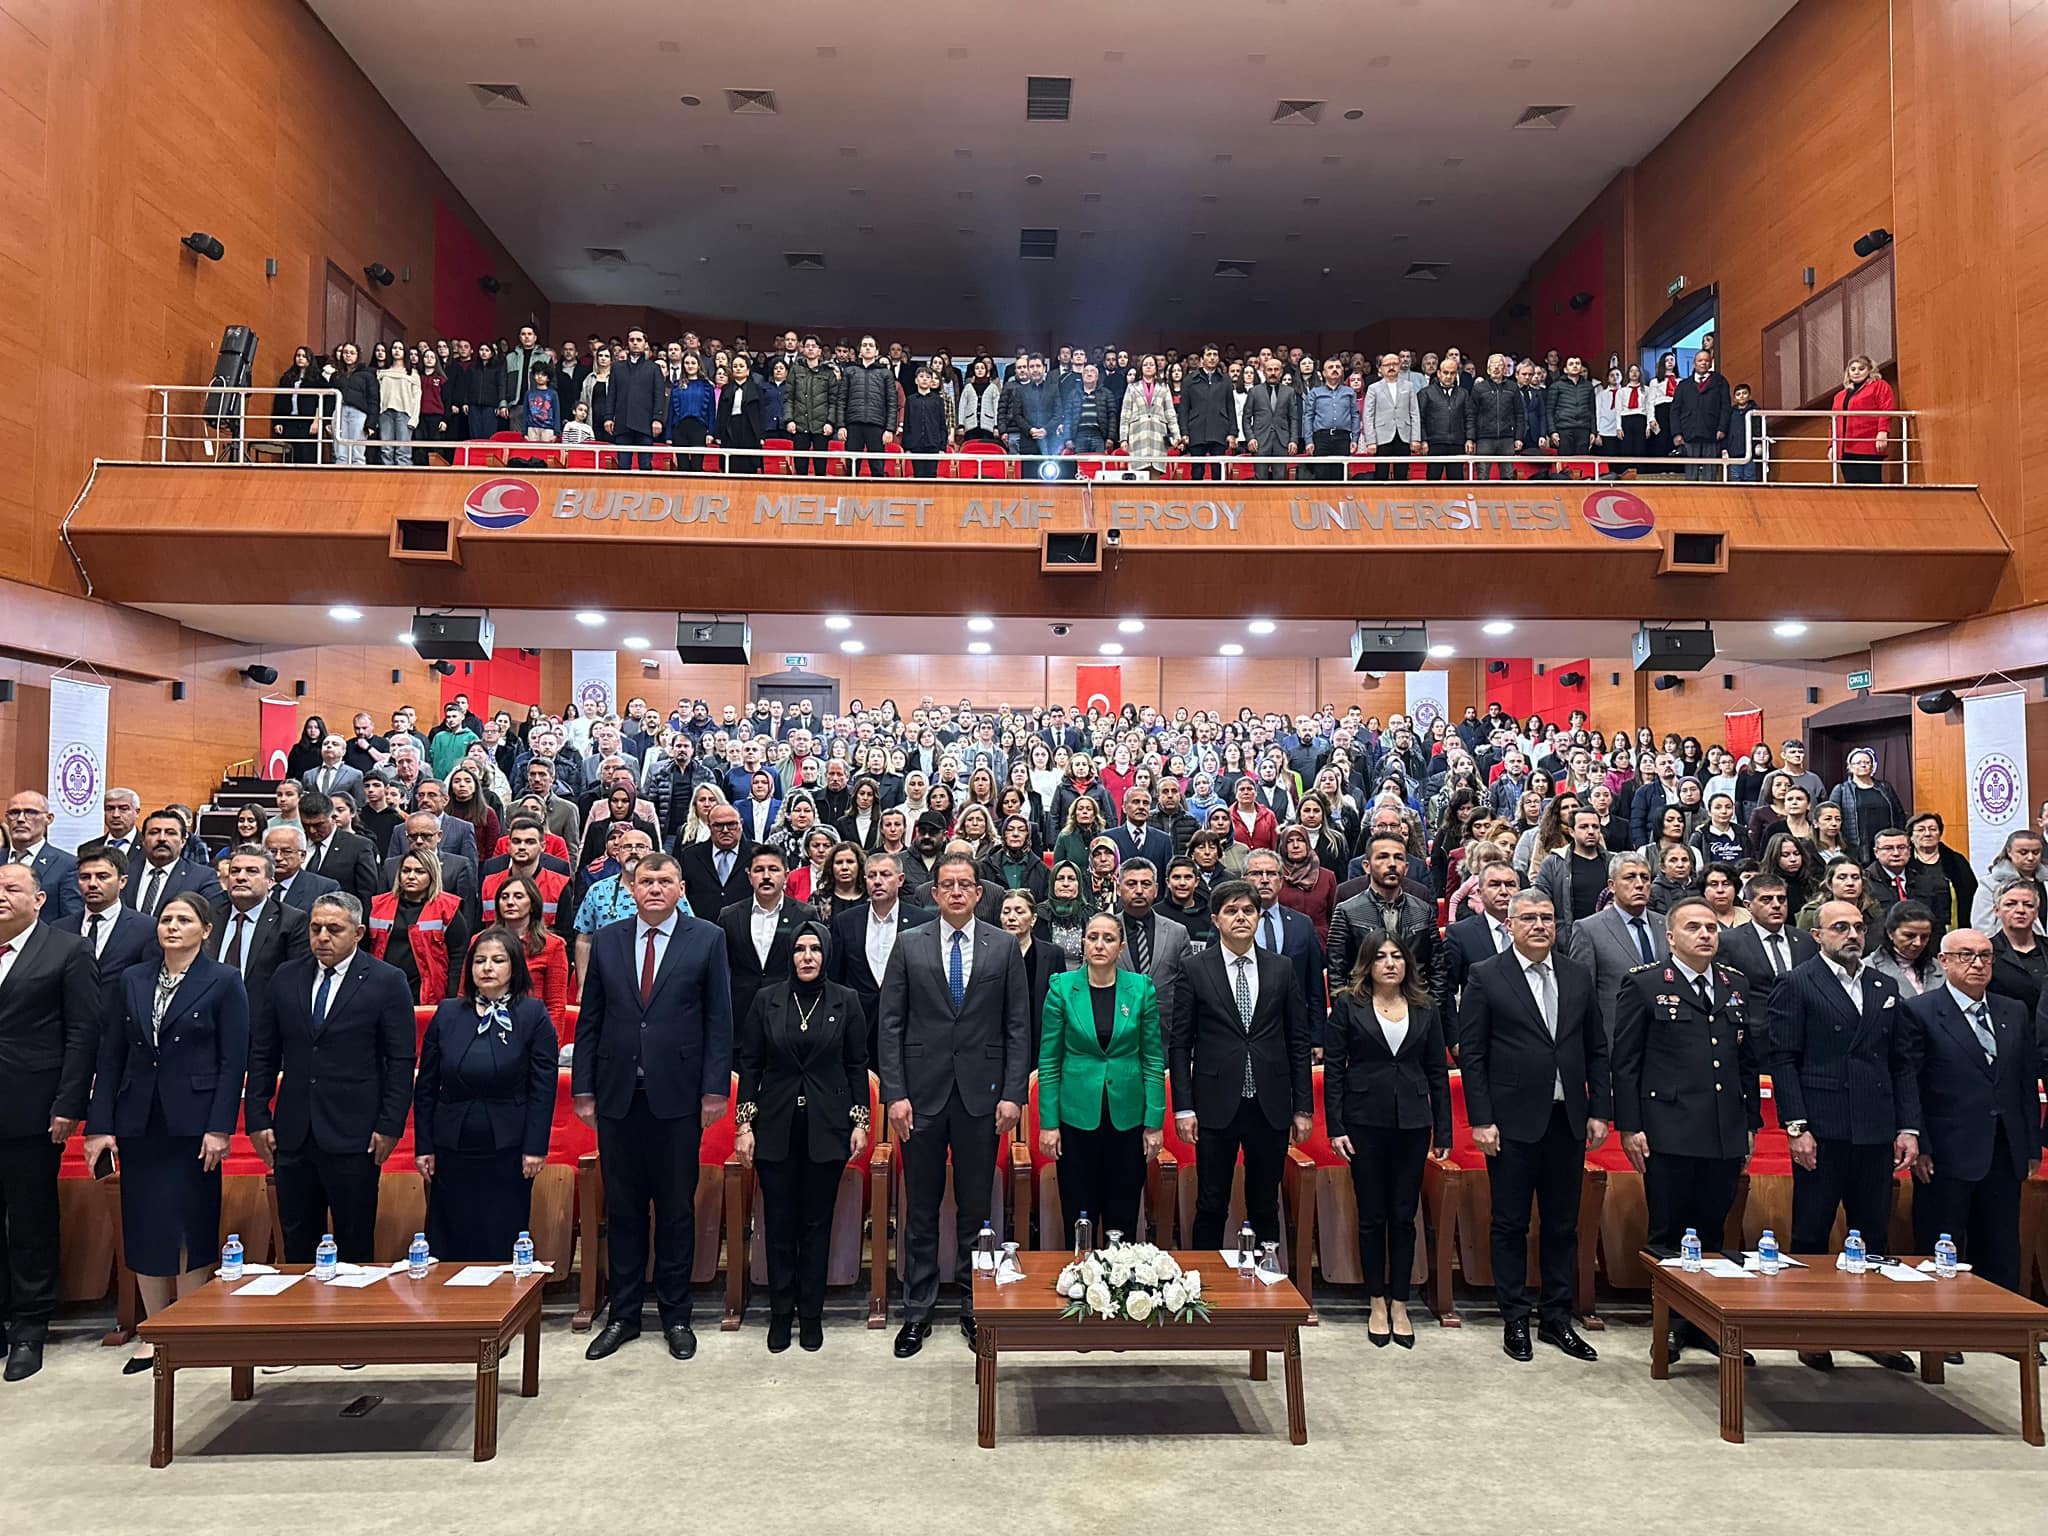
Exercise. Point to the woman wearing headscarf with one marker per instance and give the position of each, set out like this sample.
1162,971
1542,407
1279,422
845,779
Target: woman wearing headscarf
1067,909
1305,885
1103,858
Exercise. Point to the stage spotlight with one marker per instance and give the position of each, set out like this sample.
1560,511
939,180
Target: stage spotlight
1571,679
380,274
1497,668
1049,470
1872,243
1667,682
445,668
1939,702
258,673
199,243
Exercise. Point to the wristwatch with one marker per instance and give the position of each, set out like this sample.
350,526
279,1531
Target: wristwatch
1795,1127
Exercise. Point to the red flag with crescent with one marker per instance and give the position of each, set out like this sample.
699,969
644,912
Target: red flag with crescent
1099,688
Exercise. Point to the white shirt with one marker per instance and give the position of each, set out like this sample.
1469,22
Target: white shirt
340,975
1851,985
1251,972
947,933
1396,1031
882,933
1777,947
1965,1002
29,854
1535,985
661,938
98,938
1501,940
1692,977
249,920
18,944
762,922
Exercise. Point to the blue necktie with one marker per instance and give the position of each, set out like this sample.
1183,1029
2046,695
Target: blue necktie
320,994
1271,929
956,977
1643,941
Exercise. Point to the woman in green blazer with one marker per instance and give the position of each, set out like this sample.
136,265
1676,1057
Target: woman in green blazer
1101,1084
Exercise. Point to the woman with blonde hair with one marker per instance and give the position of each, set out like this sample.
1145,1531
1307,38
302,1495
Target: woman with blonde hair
1150,425
1860,436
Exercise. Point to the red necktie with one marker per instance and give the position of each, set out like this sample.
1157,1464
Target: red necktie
1900,882
647,971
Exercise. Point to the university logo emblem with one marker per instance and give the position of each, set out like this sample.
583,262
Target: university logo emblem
1995,788
1619,514
77,780
501,504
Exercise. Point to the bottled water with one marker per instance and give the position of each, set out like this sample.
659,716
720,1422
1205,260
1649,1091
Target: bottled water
231,1257
323,1258
1689,1252
1945,1257
416,1257
1855,1257
1767,1253
1084,1236
522,1256
985,1249
1247,1250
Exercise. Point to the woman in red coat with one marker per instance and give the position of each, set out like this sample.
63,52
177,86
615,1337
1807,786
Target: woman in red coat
1862,437
520,913
1251,822
1305,884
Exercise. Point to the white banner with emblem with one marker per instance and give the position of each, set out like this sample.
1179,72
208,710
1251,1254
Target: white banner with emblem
1429,699
596,686
1995,770
78,759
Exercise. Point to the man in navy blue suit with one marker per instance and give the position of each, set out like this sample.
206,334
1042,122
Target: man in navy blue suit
163,870
1135,837
1293,935
338,1025
118,936
457,835
28,827
653,1070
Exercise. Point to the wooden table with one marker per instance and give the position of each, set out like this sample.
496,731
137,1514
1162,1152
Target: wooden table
1819,1307
1243,1315
399,1321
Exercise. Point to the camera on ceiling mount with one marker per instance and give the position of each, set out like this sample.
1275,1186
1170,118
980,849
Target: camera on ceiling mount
1061,630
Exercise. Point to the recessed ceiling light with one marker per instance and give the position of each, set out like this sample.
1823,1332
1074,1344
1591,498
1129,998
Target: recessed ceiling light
693,101
838,621
852,647
1791,629
1230,648
1497,628
1261,626
1109,648
344,613
1353,115
981,626
636,642
1443,652
589,618
406,638
978,647
1130,627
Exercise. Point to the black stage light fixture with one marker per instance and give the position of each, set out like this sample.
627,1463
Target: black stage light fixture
1939,702
380,274
1872,243
1667,682
200,243
258,673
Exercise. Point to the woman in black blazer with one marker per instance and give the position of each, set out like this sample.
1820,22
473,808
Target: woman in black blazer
171,1065
2019,960
803,1113
1386,1099
1043,959
484,1104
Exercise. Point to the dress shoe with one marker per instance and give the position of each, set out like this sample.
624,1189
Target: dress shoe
609,1338
1890,1359
1563,1336
1953,1357
682,1343
967,1331
1379,1340
779,1327
1514,1341
810,1333
910,1339
135,1365
1818,1360
23,1360
1405,1340
1676,1340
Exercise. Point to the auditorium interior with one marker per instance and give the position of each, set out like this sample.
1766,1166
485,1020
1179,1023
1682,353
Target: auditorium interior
1771,187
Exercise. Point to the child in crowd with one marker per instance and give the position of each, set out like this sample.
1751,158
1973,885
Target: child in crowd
578,429
1745,436
927,424
543,407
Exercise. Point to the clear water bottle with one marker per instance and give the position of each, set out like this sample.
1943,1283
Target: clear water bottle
985,1249
522,1256
1855,1257
1767,1259
1689,1251
231,1257
1945,1257
416,1256
1247,1250
324,1258
1084,1236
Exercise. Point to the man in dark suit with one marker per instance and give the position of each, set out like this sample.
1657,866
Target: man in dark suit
338,1027
1979,1066
1537,1093
28,827
50,1007
347,858
1289,934
457,835
760,931
864,937
1155,945
1480,936
118,936
120,810
653,1069
1848,1095
1688,1096
957,1047
1237,1053
295,885
163,869
252,934
715,871
1135,836
1767,946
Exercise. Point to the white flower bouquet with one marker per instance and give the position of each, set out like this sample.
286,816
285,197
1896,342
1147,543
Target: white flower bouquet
1132,1282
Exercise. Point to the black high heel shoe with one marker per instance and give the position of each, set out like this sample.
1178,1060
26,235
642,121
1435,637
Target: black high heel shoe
135,1365
1405,1340
1379,1340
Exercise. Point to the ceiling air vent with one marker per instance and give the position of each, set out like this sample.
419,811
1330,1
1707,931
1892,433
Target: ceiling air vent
1048,98
751,103
500,98
804,261
1038,244
1425,271
1543,117
1306,112
605,255
1235,268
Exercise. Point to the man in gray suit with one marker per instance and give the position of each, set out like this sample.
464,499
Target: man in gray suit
296,886
1272,422
1154,945
457,836
954,1026
1621,935
334,776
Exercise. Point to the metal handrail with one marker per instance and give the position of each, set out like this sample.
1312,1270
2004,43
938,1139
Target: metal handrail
222,436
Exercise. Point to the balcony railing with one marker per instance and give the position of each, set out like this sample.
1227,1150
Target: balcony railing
201,424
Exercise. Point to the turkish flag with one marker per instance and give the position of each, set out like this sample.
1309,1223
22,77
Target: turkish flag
1742,730
1099,688
279,729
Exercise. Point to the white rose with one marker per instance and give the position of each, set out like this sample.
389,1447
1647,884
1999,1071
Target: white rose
1166,1265
1119,1272
1099,1300
1075,1291
1145,1272
1175,1296
1138,1306
1091,1270
1066,1280
1193,1280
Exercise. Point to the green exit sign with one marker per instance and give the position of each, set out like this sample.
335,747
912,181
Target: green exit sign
1859,680
797,662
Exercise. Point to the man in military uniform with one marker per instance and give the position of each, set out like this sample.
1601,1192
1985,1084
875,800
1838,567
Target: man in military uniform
1687,1081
